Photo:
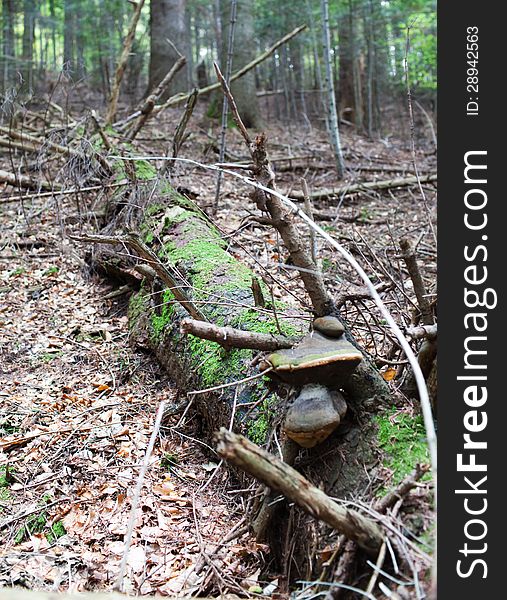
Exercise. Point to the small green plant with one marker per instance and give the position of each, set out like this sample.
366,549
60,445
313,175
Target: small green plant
169,461
364,214
51,271
327,264
37,523
47,357
17,272
8,428
56,531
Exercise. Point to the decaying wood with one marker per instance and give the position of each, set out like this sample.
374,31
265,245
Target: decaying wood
422,331
132,240
122,63
402,489
410,259
149,104
279,476
229,337
366,382
27,182
352,188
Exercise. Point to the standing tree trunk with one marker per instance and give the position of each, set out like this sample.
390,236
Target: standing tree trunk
8,51
28,42
68,35
243,89
332,116
167,22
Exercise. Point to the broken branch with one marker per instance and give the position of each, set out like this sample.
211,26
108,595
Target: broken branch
279,476
346,189
229,337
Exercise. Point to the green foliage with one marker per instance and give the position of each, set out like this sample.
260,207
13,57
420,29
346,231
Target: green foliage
168,461
402,438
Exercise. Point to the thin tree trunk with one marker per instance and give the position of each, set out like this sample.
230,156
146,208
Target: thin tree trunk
333,117
28,42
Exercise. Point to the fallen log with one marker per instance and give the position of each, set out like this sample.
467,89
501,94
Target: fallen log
348,188
27,182
279,476
206,277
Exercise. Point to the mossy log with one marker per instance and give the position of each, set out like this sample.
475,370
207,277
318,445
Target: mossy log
221,287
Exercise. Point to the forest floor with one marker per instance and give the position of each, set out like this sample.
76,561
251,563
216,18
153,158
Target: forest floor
77,403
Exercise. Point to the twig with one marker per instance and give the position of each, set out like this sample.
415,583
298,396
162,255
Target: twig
231,383
182,125
122,63
229,337
146,109
346,189
417,280
309,212
118,586
135,242
234,108
279,476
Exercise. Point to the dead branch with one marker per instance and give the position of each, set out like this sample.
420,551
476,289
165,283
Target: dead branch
149,104
346,189
402,489
134,241
229,337
178,98
25,181
122,63
33,141
182,125
416,277
279,476
422,331
232,103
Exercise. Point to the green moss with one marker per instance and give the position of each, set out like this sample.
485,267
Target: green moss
402,438
259,427
167,309
137,306
215,364
145,170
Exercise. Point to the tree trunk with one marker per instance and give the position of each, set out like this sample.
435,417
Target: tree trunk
167,22
28,42
332,114
68,36
243,90
8,46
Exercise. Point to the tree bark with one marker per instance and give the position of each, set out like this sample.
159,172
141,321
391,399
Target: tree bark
244,51
167,22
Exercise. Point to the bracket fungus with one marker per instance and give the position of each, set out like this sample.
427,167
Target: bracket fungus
320,364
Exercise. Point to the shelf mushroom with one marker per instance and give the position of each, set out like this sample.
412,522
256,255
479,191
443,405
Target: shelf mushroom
320,364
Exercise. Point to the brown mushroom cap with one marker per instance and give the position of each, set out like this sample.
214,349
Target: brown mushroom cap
314,415
316,359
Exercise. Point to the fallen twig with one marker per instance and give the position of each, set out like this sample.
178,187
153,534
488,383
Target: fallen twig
352,188
279,476
229,337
